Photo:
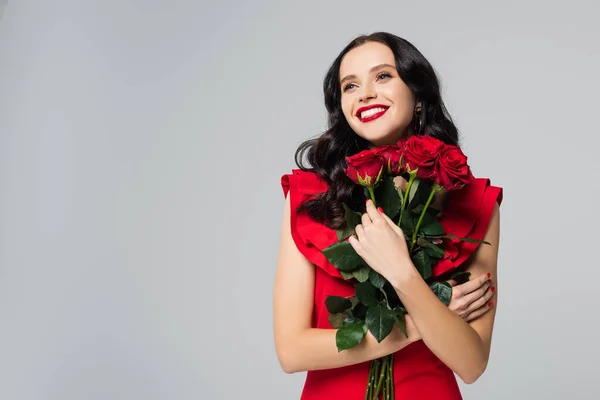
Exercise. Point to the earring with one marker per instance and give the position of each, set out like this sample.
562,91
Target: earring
418,123
419,120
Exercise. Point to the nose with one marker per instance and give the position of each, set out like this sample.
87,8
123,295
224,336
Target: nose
367,93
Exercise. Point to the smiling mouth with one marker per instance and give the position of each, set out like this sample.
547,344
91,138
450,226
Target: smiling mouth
372,114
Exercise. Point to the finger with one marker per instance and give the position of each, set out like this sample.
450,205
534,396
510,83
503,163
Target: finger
470,285
374,214
452,282
477,298
355,243
360,232
476,294
478,313
391,223
366,220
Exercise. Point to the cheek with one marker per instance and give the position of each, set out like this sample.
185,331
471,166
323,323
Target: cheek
347,108
403,100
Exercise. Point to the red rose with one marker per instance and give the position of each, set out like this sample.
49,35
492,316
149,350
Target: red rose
422,152
452,169
391,156
365,168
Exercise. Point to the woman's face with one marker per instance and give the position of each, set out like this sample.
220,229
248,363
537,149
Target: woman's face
376,103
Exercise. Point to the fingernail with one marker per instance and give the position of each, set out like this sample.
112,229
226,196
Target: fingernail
489,275
493,288
491,303
380,209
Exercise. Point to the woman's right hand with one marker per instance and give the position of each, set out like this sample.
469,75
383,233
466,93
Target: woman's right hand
470,300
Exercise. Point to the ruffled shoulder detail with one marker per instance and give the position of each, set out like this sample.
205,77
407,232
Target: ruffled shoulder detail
467,213
309,235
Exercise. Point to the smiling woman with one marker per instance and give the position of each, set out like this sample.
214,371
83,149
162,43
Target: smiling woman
379,92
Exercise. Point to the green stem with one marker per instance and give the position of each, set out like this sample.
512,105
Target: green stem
372,193
372,394
411,179
414,235
388,379
381,376
386,299
370,381
392,384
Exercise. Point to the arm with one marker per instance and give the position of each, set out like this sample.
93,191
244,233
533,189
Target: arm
300,347
464,347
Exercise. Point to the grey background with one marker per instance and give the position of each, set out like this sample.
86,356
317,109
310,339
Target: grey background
141,146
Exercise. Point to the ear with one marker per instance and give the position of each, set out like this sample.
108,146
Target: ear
418,106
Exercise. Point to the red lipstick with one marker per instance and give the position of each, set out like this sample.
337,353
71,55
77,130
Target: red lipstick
374,116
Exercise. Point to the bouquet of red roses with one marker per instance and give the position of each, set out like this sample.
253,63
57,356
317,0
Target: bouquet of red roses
430,166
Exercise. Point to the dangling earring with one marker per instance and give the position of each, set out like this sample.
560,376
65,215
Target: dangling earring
419,120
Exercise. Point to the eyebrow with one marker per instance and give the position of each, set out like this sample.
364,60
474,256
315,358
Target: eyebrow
347,77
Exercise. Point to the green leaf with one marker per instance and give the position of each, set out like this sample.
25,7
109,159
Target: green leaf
346,275
349,336
376,280
337,304
468,240
417,210
380,322
423,264
360,310
337,320
431,249
460,276
419,192
400,195
351,219
413,190
343,256
352,320
399,314
367,294
443,291
387,197
362,273
431,226
409,222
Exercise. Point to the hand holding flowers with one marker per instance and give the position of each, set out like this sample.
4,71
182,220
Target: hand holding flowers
382,245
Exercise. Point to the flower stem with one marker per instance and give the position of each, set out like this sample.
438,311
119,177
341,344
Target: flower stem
388,379
381,376
414,235
392,383
370,381
411,179
372,193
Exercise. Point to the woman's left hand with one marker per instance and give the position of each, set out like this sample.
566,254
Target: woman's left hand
381,243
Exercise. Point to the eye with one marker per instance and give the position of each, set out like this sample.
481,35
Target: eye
383,75
347,87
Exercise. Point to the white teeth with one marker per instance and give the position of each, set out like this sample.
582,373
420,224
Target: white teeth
371,111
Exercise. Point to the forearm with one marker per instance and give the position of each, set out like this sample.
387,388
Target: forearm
446,334
316,349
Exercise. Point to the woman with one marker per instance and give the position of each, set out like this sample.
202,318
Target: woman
379,90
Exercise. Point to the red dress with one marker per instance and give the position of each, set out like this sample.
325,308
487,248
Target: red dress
418,373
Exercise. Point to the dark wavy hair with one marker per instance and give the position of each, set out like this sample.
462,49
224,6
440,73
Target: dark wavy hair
326,154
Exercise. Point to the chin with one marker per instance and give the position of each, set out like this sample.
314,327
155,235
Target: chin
381,140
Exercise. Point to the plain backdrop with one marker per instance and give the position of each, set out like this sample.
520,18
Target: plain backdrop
141,148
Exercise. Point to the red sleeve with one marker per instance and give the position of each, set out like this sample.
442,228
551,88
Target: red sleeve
309,235
468,214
